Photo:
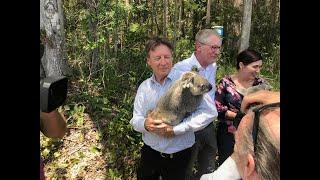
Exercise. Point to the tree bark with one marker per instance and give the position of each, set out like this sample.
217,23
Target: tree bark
154,15
175,26
115,32
53,38
94,53
165,17
246,25
179,17
208,16
153,27
182,22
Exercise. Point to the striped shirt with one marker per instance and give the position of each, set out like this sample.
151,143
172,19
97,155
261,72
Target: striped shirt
148,94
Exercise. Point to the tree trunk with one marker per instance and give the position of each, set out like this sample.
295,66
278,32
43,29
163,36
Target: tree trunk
179,17
94,53
182,22
175,26
246,25
154,14
153,19
235,27
53,38
115,32
165,17
208,16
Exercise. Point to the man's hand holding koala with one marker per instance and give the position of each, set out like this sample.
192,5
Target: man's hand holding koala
158,127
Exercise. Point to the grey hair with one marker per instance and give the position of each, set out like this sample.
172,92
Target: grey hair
202,35
267,156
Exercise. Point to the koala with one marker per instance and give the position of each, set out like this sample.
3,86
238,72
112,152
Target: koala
182,98
253,89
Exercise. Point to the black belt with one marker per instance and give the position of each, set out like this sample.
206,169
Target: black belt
168,156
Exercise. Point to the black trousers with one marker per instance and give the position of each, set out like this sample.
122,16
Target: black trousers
153,164
225,142
204,152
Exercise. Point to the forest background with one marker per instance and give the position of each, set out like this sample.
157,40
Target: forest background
102,52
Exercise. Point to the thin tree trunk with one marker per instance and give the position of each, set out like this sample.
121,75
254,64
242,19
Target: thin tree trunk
246,25
127,3
180,18
274,10
153,24
165,17
236,26
52,35
208,16
94,53
182,22
154,11
115,32
176,6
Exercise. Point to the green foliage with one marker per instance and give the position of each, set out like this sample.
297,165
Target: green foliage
117,33
124,141
49,148
183,49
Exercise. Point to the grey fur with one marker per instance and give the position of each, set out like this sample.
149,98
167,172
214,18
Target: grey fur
182,98
253,89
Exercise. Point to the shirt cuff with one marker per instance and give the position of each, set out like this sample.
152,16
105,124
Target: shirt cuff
180,128
141,125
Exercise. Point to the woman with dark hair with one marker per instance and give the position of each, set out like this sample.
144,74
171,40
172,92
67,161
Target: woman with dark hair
229,95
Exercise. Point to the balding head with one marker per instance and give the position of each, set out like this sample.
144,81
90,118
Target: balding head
264,163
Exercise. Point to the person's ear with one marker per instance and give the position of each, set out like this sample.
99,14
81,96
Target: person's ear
250,166
198,46
148,60
241,65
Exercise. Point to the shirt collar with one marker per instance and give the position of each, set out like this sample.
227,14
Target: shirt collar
169,77
195,61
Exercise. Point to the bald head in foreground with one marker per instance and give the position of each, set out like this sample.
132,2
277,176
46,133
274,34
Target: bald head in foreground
256,153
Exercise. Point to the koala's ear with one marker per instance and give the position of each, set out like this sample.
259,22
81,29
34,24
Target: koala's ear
187,81
187,76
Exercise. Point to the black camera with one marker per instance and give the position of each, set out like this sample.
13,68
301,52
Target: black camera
53,92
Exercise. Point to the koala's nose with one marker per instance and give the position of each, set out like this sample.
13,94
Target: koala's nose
206,87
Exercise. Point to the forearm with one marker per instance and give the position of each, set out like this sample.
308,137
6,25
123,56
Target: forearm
53,124
137,123
139,111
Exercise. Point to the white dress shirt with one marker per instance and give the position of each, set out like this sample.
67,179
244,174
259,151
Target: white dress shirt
209,72
227,171
148,94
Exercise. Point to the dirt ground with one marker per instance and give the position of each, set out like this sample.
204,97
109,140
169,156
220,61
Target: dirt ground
77,156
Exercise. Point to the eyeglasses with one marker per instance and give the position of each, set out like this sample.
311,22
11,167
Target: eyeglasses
213,47
158,58
257,112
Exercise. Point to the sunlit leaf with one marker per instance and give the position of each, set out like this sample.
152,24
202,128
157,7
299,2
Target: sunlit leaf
134,27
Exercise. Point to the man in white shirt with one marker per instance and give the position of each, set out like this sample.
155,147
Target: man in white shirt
207,50
167,149
256,153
